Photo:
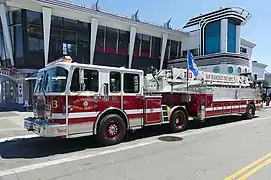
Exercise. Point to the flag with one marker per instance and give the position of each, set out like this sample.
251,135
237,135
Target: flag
191,65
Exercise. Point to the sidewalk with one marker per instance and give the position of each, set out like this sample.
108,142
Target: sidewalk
11,124
266,107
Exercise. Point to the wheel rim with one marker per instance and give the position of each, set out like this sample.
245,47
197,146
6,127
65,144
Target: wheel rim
179,121
250,111
112,129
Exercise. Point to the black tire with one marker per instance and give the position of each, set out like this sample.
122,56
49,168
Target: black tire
250,112
111,130
176,124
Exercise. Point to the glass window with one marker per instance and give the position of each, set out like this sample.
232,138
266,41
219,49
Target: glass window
70,24
69,36
15,17
83,32
212,38
245,70
91,80
69,43
216,69
180,49
35,44
66,48
124,38
145,45
39,80
156,47
239,70
167,53
230,69
34,30
55,80
231,46
184,54
115,82
174,50
69,49
138,38
194,52
83,42
34,17
55,49
56,22
18,41
55,34
111,40
131,83
243,50
100,39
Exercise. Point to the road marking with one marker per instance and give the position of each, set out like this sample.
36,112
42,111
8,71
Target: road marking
127,146
246,168
68,159
254,170
18,137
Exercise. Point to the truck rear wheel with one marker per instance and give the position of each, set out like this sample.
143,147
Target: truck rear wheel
111,130
250,112
178,121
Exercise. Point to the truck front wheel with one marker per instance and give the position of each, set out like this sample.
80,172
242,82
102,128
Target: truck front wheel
178,121
111,130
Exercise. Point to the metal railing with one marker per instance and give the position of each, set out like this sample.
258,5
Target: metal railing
93,7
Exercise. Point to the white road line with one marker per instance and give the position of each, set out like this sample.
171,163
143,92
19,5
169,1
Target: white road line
18,137
69,159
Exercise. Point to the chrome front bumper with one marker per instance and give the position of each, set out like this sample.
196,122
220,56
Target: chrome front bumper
44,128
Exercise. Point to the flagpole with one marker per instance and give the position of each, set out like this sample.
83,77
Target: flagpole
187,71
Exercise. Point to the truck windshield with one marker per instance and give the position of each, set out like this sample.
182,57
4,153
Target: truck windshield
51,80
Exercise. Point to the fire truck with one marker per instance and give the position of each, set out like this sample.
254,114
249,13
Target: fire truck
74,100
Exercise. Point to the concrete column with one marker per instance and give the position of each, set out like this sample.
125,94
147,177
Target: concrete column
224,35
163,49
2,47
131,45
93,35
250,65
46,14
7,37
238,39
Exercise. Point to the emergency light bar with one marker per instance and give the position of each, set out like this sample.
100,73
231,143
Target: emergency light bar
66,59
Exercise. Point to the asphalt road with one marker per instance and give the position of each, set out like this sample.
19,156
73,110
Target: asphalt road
225,148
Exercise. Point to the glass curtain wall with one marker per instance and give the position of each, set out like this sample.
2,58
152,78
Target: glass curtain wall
8,87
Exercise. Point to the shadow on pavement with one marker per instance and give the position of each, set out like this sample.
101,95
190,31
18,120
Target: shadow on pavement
44,147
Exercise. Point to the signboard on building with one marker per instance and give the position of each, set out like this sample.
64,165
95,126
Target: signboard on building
20,93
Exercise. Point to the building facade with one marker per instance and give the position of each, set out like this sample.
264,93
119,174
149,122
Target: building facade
214,39
36,32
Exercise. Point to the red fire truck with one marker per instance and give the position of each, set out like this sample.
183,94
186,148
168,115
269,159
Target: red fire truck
74,100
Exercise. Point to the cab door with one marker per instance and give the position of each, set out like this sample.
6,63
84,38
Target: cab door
132,97
114,89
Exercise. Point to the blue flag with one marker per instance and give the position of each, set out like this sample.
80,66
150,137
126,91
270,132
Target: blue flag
191,65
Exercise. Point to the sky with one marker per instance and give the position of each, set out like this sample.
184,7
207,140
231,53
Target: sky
257,29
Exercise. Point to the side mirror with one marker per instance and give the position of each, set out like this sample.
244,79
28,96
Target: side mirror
81,80
106,91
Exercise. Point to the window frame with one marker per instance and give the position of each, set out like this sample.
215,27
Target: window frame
120,85
139,83
79,91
